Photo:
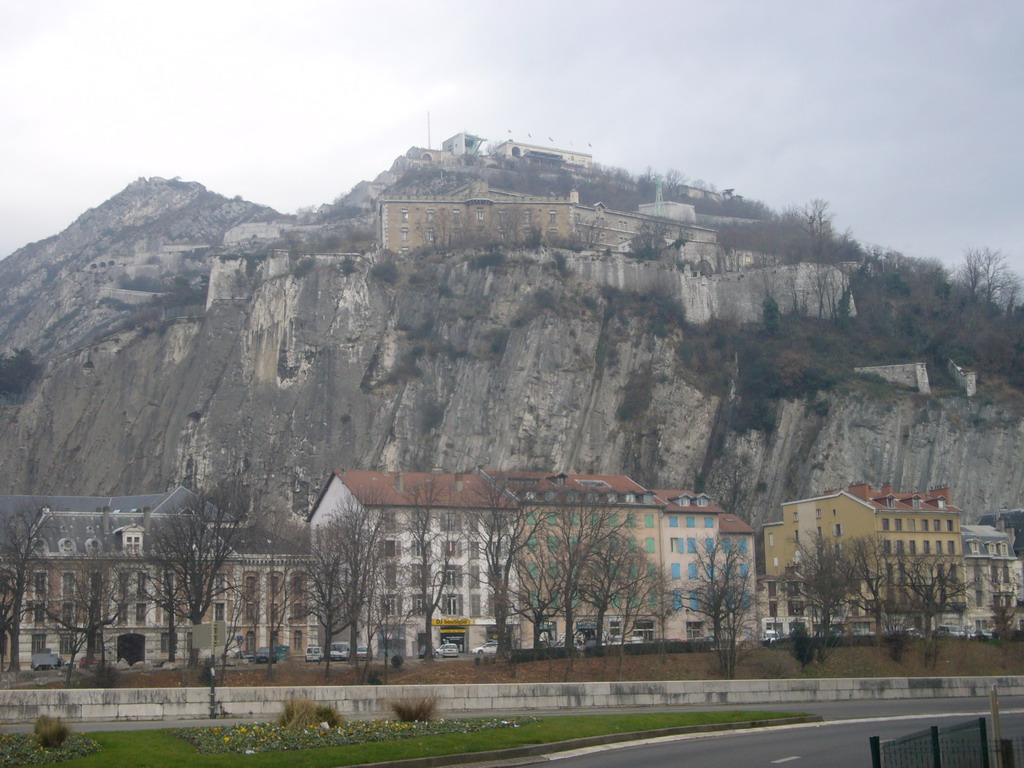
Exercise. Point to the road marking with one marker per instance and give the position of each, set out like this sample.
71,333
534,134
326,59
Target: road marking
786,759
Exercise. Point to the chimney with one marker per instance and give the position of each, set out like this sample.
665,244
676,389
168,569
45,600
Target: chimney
147,514
860,490
886,489
398,482
106,520
458,482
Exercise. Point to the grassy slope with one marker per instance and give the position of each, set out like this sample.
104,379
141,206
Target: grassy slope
160,749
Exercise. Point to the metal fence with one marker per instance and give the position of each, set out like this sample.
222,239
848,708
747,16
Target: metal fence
964,745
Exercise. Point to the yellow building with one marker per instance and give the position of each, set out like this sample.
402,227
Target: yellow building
914,523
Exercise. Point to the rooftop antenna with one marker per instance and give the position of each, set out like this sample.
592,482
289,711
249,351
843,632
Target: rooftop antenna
659,202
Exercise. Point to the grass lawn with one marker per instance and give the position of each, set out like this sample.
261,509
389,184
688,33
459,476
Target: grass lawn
161,749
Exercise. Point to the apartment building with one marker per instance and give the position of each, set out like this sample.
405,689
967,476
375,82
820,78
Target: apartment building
907,525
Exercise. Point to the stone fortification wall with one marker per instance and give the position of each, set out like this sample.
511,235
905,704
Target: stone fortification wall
716,222
909,374
806,288
370,701
128,297
966,380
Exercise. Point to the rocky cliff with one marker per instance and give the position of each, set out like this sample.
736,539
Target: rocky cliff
59,291
299,366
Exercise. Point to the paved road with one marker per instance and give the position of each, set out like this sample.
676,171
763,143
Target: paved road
840,742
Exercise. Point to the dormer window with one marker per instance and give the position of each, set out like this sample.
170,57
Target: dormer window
702,501
133,543
890,502
942,503
917,502
630,497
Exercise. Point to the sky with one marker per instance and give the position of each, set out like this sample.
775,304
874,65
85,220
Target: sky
905,115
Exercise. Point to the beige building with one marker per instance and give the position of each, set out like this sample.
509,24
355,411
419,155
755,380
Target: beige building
990,567
915,523
476,214
692,524
520,151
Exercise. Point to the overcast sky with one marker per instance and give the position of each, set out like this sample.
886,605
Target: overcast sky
906,116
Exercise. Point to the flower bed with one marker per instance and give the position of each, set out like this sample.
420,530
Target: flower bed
23,749
263,737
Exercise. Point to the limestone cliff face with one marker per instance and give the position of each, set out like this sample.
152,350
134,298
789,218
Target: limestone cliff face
52,292
302,366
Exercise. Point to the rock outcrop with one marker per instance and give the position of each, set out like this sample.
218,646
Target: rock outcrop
300,366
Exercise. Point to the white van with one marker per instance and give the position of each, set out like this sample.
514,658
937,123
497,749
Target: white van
339,651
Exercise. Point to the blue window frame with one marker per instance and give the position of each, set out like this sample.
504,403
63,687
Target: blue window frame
675,571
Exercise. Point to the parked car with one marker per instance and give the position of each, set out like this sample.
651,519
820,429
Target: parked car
490,647
339,651
46,661
771,637
315,653
262,656
447,650
363,652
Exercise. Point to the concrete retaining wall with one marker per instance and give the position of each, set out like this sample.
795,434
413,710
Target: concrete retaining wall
369,701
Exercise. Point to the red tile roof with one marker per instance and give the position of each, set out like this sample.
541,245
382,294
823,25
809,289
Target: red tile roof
732,524
671,506
904,500
544,481
406,489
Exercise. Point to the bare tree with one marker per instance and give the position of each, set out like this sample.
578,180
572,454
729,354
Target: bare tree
616,578
650,240
327,579
825,573
22,533
930,584
190,548
871,570
502,525
721,593
90,601
571,533
537,599
7,594
987,278
436,534
357,531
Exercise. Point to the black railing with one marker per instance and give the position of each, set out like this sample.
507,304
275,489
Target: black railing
964,745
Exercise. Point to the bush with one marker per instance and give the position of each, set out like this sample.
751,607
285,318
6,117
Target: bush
485,260
50,732
325,713
107,675
299,713
397,661
422,709
305,713
386,272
